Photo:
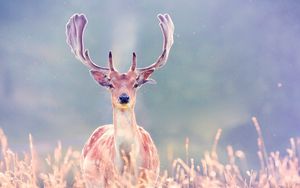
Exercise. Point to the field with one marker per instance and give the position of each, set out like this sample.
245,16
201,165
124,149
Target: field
62,168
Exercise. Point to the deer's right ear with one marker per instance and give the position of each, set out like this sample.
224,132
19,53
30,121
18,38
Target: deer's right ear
101,78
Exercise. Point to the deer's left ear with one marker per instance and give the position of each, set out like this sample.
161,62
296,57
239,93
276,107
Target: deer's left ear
101,78
144,77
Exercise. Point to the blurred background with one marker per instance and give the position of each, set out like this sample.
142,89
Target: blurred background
231,60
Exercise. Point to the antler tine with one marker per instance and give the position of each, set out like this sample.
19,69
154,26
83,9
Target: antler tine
74,31
167,28
110,62
133,65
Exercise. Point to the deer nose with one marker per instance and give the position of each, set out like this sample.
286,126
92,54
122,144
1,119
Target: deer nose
124,98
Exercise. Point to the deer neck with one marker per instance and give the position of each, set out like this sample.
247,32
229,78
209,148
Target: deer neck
124,122
126,137
125,129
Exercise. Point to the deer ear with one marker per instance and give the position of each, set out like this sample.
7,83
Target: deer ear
143,77
101,78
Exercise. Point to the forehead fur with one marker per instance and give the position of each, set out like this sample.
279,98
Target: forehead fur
123,78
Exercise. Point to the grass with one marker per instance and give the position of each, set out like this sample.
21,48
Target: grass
62,169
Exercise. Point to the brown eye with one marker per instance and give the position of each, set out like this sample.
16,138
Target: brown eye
136,85
110,86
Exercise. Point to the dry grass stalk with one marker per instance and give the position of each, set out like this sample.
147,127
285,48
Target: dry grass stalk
63,169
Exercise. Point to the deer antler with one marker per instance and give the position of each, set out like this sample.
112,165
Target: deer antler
167,28
74,31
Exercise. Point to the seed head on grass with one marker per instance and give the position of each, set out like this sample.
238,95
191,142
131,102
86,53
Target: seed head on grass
62,168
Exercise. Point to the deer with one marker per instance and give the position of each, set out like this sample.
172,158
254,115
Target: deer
123,146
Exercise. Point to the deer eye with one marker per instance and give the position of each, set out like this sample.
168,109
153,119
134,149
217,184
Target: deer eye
110,86
136,85
109,83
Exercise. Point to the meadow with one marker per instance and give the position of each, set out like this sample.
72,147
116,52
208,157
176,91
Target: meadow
62,168
231,60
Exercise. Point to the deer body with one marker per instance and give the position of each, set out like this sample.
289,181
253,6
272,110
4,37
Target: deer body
122,148
106,144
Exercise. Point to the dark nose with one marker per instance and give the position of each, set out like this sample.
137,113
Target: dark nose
124,98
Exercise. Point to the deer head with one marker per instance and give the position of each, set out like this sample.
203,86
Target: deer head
123,86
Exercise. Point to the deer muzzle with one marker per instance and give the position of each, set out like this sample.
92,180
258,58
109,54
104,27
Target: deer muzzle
124,98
